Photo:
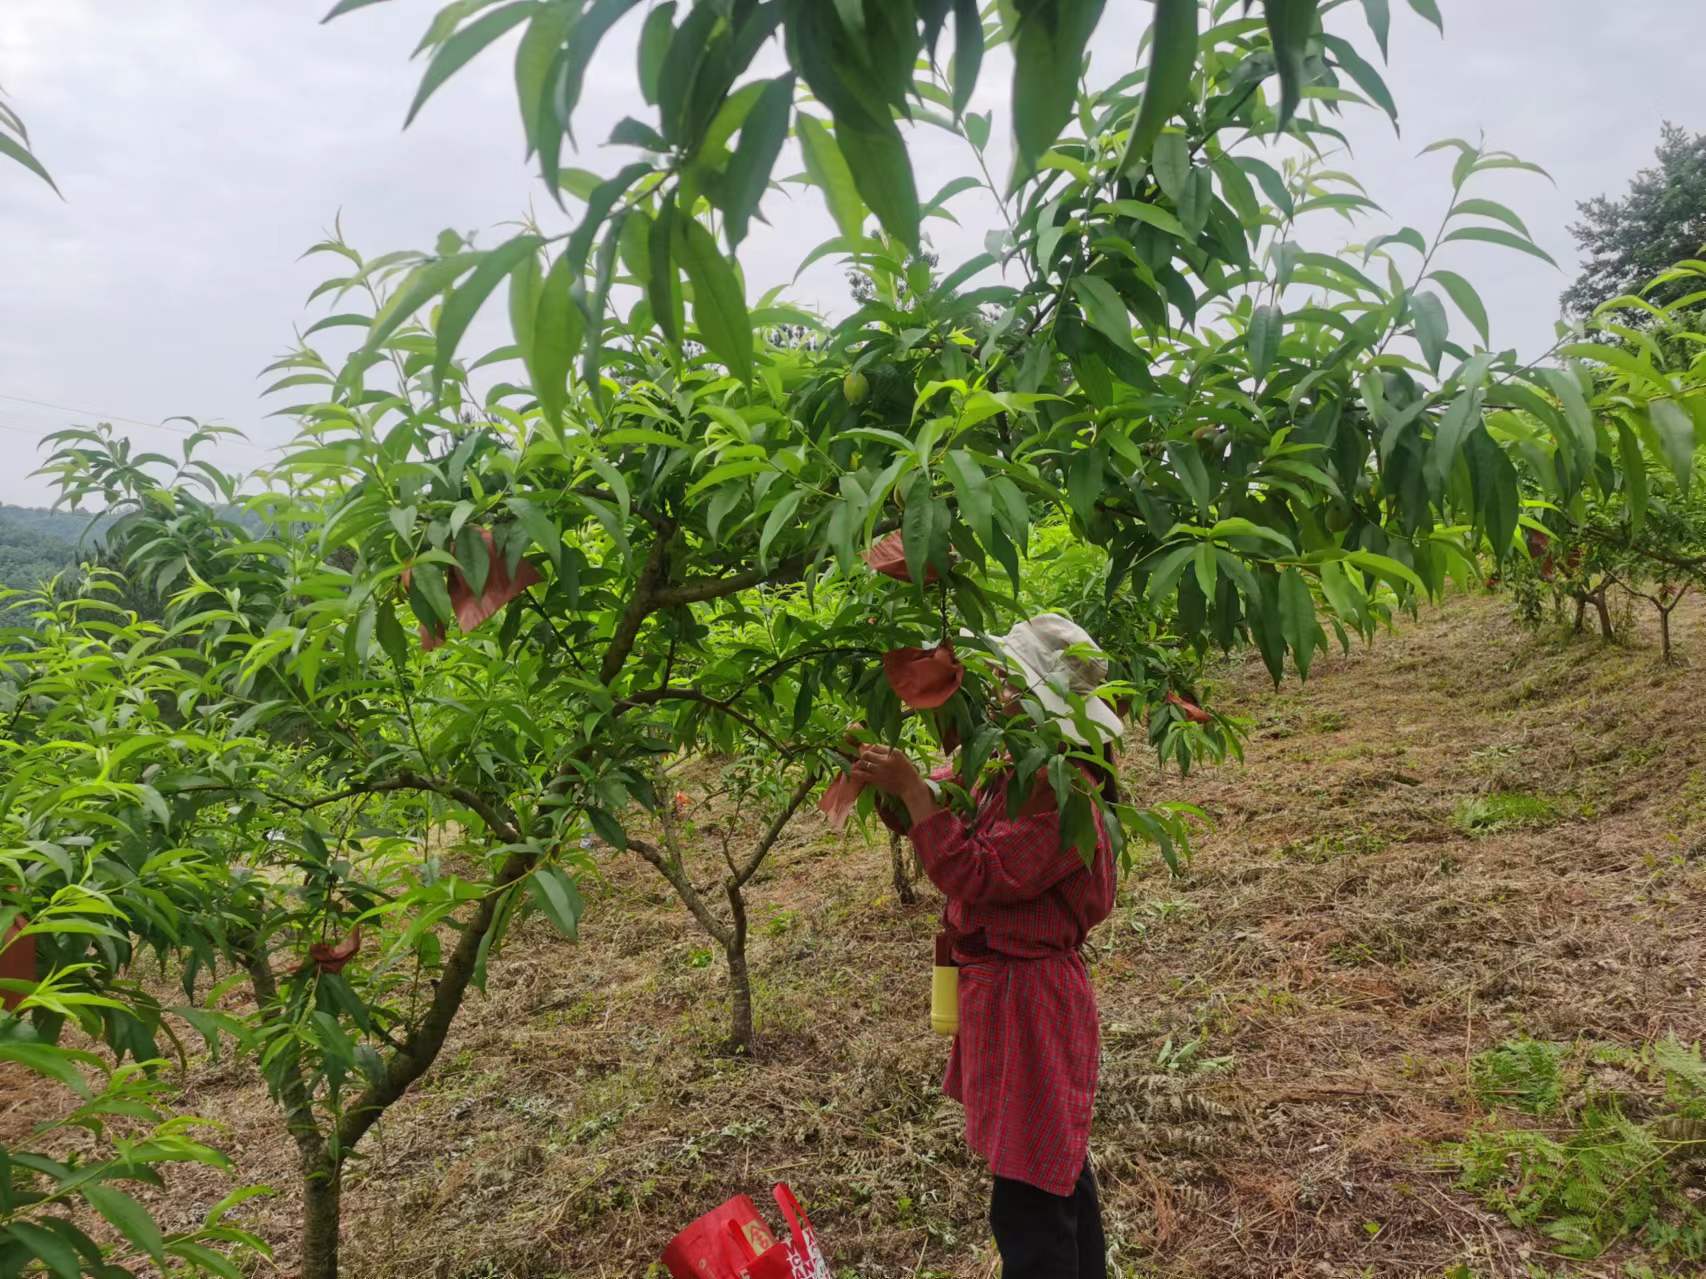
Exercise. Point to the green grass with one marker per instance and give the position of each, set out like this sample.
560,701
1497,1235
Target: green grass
1507,810
1604,1176
1523,1074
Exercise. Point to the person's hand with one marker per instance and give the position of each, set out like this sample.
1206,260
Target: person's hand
888,770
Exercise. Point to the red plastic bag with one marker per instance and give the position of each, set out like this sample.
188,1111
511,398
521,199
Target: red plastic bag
733,1242
839,799
924,678
888,557
17,961
473,609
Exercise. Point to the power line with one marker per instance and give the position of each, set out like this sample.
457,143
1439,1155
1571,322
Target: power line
105,417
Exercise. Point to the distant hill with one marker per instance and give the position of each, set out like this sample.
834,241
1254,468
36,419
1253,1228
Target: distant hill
35,544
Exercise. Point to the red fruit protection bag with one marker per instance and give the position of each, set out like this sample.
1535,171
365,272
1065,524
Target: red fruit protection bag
733,1242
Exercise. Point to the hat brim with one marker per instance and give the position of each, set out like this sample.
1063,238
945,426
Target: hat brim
1107,721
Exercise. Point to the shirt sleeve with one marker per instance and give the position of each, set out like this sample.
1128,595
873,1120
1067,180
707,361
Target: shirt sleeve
995,859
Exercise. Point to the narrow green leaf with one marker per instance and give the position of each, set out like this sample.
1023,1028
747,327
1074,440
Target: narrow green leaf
465,302
1266,324
1366,77
719,305
748,173
1454,427
559,328
1492,235
1172,164
917,526
1467,299
16,150
421,285
663,281
129,1217
1379,14
971,487
1432,326
654,43
1172,62
455,52
1290,23
1105,311
558,898
882,171
1048,62
828,171
1492,209
49,1248
1429,10
968,51
779,517
1676,435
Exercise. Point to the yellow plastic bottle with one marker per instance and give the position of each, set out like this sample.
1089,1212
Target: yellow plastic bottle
944,990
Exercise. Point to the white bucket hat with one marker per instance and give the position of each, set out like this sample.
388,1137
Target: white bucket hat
1039,651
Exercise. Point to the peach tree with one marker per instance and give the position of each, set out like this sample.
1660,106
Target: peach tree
438,651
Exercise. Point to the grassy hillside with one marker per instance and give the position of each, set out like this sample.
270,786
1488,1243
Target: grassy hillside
1463,872
36,544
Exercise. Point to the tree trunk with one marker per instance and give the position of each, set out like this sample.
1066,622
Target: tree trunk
1581,612
1604,611
740,980
1664,632
322,1190
903,879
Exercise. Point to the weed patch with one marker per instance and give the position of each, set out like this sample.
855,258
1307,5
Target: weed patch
1606,1176
1506,810
1524,1075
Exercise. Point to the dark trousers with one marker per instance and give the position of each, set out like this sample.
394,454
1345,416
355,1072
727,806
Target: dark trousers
1044,1236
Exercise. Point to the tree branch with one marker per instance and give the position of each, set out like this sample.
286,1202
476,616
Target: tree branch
801,793
652,696
672,871
648,597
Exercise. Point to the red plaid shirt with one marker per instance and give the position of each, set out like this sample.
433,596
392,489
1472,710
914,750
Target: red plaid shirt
1025,1060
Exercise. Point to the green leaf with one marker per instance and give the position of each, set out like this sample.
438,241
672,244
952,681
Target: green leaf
472,558
559,329
1048,62
390,634
465,302
662,277
1492,209
1172,62
1429,10
545,534
882,171
1676,436
53,1252
429,581
558,898
22,154
455,52
971,487
1266,323
129,1217
828,171
719,305
1172,164
1290,23
421,285
1492,235
761,139
1380,23
968,51
1432,326
536,57
1467,299
1454,427
654,43
917,526
348,6
1367,78
780,515
1297,618
1106,313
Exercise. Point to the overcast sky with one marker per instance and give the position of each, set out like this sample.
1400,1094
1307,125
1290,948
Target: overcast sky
203,144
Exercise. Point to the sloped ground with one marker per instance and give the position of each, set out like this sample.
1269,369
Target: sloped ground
1456,836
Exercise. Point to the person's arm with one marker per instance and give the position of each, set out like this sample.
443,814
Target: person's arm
997,859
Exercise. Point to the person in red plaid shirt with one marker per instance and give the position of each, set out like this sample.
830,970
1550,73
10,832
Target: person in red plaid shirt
1024,1061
